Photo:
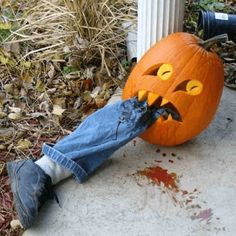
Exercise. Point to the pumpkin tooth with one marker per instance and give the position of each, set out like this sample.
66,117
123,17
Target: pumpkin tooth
170,117
152,97
164,101
142,95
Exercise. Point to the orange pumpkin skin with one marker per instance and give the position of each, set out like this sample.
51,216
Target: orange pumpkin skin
190,62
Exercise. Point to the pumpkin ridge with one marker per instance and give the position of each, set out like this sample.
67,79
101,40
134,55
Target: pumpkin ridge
169,55
172,88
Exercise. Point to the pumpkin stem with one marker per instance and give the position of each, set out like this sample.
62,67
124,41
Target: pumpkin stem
207,44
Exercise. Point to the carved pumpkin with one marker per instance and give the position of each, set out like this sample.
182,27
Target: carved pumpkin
179,74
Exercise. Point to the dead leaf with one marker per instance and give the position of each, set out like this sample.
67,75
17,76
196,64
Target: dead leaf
40,86
12,47
89,72
2,147
5,25
59,101
52,71
96,91
2,165
15,116
2,114
100,102
5,3
81,43
6,134
15,109
87,84
23,144
86,96
26,64
44,106
51,91
37,114
2,98
9,88
4,60
77,103
57,110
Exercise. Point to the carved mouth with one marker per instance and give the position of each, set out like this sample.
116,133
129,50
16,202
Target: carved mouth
153,99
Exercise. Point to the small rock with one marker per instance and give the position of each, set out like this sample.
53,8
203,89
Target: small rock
16,224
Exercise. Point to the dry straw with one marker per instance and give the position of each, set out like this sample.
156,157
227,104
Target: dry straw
85,29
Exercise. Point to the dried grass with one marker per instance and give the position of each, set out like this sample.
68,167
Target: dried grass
82,29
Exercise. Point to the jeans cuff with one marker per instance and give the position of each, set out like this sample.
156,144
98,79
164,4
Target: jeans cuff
79,173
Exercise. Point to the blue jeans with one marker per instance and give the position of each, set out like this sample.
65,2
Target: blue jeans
100,135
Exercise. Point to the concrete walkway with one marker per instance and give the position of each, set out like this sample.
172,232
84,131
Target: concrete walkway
116,201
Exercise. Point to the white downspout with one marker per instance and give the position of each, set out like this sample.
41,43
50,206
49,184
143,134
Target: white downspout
157,19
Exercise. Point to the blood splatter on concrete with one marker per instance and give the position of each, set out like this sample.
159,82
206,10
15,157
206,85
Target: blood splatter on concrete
159,175
203,215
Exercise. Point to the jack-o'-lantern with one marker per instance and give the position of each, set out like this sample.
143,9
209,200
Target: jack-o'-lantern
179,74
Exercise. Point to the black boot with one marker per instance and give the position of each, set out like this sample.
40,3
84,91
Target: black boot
31,187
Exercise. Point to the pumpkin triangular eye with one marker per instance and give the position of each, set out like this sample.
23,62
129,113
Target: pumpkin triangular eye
182,86
153,71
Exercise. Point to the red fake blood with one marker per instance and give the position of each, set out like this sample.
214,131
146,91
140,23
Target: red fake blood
184,192
203,215
159,175
159,161
188,201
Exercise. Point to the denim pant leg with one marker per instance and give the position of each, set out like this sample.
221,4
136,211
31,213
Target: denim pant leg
100,135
